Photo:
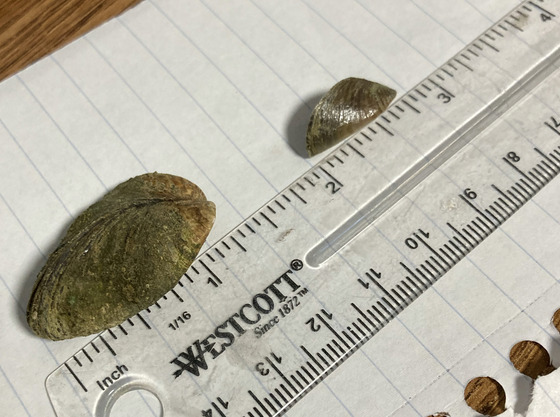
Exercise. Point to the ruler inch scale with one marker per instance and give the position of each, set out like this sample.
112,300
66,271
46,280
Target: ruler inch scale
282,301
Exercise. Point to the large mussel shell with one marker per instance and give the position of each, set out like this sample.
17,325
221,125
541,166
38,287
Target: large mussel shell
120,256
347,107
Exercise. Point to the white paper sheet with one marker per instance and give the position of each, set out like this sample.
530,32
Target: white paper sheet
221,93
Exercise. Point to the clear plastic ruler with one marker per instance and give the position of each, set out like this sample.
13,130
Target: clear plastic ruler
297,289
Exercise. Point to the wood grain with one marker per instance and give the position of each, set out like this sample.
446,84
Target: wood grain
31,29
486,396
531,359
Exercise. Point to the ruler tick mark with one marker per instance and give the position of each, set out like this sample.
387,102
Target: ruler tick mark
297,381
338,159
217,409
475,232
271,395
144,321
497,221
473,52
268,220
107,345
298,196
553,128
542,9
399,296
261,405
300,375
521,194
328,355
122,330
355,150
410,106
87,356
279,393
177,295
385,129
367,137
238,244
443,89
359,329
214,280
513,25
331,177
497,33
270,404
75,377
489,45
279,372
308,181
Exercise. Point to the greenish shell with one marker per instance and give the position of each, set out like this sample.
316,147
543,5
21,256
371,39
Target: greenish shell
120,256
347,107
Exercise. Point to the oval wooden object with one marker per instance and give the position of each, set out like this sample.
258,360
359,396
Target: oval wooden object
556,319
486,396
531,359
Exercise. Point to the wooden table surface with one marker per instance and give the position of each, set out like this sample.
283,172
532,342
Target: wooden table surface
31,29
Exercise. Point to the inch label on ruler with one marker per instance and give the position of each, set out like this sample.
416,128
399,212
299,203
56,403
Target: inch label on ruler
278,304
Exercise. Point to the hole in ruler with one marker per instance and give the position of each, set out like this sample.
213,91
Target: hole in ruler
130,397
137,403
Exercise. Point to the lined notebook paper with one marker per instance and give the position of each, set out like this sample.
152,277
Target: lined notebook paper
219,93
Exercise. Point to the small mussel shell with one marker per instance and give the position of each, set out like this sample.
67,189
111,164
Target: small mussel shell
347,107
120,256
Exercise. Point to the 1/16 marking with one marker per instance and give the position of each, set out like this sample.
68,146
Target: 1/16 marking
174,325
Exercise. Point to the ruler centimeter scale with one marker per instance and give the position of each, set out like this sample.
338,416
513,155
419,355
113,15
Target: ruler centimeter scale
275,306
